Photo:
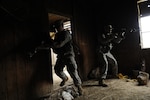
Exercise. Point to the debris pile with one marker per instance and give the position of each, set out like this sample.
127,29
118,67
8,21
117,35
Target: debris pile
67,93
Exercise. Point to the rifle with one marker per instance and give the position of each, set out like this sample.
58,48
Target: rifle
121,32
37,49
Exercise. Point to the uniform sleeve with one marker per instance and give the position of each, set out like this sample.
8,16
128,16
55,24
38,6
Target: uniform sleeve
65,39
119,38
104,40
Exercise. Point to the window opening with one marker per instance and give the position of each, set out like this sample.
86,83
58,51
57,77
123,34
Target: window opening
144,23
67,25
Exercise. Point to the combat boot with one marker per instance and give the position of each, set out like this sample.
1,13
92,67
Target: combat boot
80,90
64,81
102,83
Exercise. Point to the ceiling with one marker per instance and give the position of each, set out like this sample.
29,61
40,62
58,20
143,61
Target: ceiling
53,17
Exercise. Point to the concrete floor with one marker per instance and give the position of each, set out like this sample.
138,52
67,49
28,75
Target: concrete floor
118,89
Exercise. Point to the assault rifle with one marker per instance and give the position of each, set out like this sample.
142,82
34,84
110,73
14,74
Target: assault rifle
121,32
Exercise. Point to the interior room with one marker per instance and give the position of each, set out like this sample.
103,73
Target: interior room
27,64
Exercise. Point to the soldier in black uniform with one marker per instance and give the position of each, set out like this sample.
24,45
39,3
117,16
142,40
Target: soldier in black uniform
106,43
62,46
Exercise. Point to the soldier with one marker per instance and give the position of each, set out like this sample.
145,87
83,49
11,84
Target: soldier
106,43
62,46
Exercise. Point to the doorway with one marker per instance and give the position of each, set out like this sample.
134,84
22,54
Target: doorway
67,25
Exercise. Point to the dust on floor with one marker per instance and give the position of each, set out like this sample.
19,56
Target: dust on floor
118,89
